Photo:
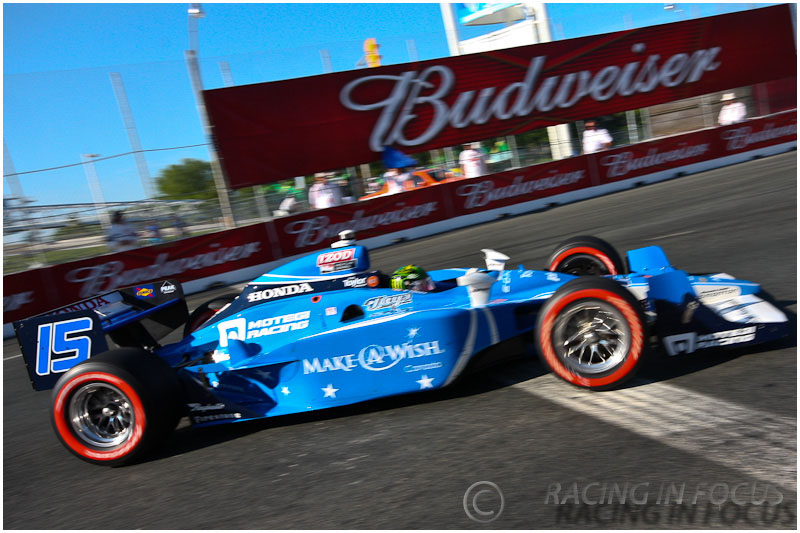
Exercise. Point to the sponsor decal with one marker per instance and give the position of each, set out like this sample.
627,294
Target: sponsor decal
221,416
88,305
691,342
278,324
205,407
277,292
418,368
330,311
337,260
483,193
624,162
168,288
374,357
391,301
231,329
373,281
739,138
354,282
145,291
112,274
533,95
313,231
715,293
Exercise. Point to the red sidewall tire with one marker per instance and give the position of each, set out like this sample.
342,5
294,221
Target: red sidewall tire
585,245
609,264
67,436
626,308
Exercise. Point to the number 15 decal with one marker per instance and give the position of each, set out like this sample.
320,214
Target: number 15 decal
59,347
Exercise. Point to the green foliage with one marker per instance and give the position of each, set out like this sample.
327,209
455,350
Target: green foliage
191,179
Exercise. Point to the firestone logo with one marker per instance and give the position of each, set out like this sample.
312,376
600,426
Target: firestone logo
423,93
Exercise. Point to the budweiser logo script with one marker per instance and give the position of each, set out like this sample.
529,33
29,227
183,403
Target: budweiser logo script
742,137
480,194
624,162
108,276
313,231
518,99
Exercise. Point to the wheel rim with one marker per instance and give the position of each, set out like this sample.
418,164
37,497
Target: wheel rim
583,265
591,337
101,415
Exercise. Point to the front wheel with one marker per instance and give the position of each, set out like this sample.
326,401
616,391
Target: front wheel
115,407
591,333
585,256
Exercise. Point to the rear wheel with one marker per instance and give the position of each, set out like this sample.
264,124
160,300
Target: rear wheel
205,311
585,256
115,407
591,333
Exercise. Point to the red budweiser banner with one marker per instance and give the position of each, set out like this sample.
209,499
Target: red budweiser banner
380,216
36,291
30,293
272,131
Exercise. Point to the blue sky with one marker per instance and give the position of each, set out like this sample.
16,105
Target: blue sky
58,102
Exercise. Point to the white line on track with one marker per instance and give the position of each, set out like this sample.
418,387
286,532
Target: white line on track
757,443
12,357
670,235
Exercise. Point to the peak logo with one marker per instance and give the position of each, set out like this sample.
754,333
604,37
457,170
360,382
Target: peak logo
391,301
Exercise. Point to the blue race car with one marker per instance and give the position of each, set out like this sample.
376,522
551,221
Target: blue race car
324,330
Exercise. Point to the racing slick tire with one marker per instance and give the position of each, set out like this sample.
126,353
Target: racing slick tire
115,407
592,333
206,311
585,256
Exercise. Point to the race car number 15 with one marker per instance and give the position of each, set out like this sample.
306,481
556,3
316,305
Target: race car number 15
61,339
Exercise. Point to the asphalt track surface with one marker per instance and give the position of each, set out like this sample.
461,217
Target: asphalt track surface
710,422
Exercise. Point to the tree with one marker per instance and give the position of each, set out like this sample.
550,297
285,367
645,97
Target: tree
191,179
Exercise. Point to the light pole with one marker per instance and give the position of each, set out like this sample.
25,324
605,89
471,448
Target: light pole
196,12
96,190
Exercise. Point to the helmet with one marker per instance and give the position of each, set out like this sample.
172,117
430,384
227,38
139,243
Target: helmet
413,278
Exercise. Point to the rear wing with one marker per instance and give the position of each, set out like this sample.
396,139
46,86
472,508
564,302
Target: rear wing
57,340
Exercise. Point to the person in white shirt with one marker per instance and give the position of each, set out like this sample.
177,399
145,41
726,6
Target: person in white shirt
324,193
121,236
594,138
473,160
732,112
394,180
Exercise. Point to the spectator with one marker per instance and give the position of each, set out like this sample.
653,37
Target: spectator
473,160
288,206
154,232
122,236
394,180
324,193
595,139
180,226
732,112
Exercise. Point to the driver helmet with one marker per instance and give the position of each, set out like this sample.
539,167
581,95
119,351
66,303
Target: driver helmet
412,278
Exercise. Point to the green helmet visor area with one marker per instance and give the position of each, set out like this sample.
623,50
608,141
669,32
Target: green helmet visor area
412,278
